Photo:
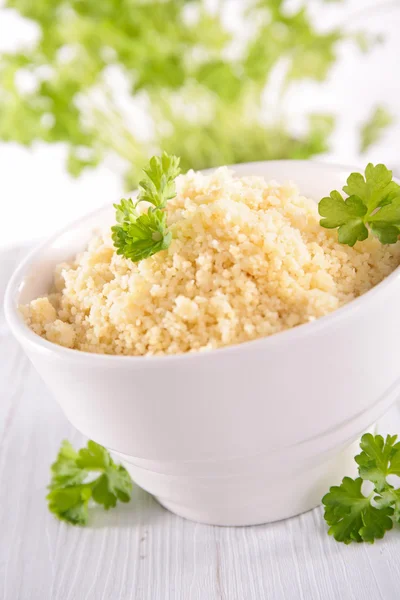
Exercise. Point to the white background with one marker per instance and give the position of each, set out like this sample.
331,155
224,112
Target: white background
37,195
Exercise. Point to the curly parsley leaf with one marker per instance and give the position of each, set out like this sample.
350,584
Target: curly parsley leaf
376,522
159,184
142,238
114,484
375,460
125,211
70,504
351,516
139,236
390,497
65,471
74,484
355,517
373,204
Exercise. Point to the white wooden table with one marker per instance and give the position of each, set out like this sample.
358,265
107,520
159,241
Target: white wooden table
140,551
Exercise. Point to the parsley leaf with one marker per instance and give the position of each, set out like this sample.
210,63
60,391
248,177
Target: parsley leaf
70,504
140,236
375,460
351,516
72,484
347,215
378,459
390,497
65,471
114,484
159,184
373,204
376,522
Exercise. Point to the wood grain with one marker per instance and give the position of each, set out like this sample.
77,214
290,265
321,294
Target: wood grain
140,551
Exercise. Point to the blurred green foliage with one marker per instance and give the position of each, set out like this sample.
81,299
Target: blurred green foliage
201,85
373,129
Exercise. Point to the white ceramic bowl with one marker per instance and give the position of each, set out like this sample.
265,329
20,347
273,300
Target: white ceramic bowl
237,436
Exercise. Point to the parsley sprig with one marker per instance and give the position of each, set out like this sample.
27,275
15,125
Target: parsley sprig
139,236
72,484
373,204
350,514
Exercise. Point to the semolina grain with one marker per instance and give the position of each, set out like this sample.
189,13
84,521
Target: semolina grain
248,259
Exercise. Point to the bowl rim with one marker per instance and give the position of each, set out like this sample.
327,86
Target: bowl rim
22,331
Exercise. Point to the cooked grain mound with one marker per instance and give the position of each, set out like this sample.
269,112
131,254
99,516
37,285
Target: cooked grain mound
248,259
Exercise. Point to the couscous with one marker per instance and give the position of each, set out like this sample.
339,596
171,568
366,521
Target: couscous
248,259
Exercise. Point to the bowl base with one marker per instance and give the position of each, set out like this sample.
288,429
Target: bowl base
258,516
239,500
